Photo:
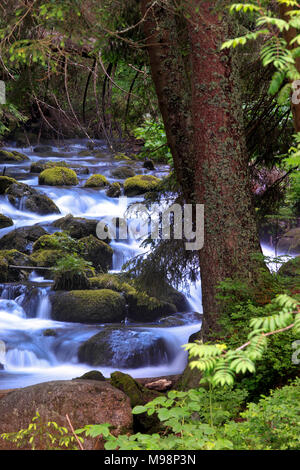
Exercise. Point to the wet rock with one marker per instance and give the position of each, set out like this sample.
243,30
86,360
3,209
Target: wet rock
289,243
88,306
123,172
99,253
92,375
22,238
96,181
41,165
84,401
58,176
160,385
149,165
5,182
77,227
16,258
126,348
24,197
114,190
5,221
42,149
140,184
12,157
49,332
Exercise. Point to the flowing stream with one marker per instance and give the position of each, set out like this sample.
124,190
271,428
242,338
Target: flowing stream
29,354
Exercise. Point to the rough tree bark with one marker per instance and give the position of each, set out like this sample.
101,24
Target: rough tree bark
207,141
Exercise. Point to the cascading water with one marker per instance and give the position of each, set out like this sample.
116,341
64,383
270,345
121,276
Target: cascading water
40,349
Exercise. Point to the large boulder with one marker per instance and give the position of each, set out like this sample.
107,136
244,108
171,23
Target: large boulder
99,253
5,221
127,348
140,184
88,306
24,197
77,227
84,401
289,243
58,176
16,258
22,238
12,157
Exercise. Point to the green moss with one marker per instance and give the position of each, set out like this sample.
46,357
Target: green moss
3,269
58,241
88,306
98,252
290,242
5,182
13,157
5,221
140,184
291,268
58,176
114,190
121,156
96,181
46,258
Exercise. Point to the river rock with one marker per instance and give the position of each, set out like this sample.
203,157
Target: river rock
24,197
5,221
5,182
99,253
88,306
140,184
77,227
123,172
22,238
12,156
114,190
149,165
126,348
84,401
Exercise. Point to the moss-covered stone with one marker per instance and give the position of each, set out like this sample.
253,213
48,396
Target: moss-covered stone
140,184
5,182
88,306
3,269
96,251
92,375
15,258
58,241
77,227
114,190
96,181
46,258
122,156
123,172
22,239
141,307
49,332
5,221
58,176
12,157
290,242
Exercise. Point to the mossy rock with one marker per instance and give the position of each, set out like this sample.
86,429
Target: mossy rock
92,375
49,332
5,221
85,153
5,182
58,241
97,252
46,258
96,181
58,176
141,307
38,167
123,172
16,258
22,239
140,184
77,227
114,190
12,157
42,149
3,269
23,196
88,306
121,156
290,242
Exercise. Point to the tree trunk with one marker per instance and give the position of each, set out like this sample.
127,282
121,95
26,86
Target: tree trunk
214,160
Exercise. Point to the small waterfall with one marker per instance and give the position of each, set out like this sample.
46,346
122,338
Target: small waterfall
44,305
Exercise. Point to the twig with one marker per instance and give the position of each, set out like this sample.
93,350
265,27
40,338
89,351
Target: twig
73,432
